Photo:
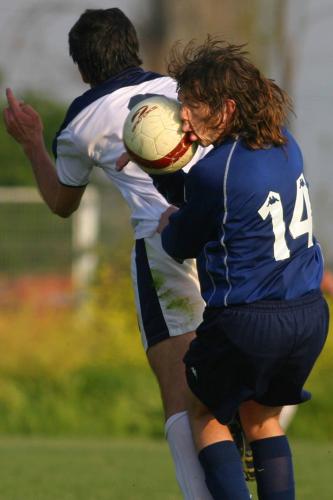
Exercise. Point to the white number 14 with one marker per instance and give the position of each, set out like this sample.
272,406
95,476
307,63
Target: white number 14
298,226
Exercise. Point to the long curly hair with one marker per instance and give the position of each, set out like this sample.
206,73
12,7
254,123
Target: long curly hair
216,71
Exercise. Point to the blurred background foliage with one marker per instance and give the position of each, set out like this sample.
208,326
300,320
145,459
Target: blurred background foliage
77,367
71,361
81,370
17,172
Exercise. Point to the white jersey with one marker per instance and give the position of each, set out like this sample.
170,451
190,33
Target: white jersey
92,136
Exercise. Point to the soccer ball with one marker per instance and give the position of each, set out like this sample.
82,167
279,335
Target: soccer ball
153,136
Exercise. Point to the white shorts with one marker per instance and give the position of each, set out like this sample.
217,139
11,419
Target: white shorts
167,293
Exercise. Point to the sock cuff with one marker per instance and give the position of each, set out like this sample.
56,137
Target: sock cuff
172,420
220,452
273,447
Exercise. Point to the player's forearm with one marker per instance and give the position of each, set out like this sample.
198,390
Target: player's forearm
178,240
44,172
189,229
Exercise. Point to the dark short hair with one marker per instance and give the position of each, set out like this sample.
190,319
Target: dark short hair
103,42
216,71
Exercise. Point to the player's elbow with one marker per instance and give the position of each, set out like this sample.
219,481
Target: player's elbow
63,212
63,215
65,208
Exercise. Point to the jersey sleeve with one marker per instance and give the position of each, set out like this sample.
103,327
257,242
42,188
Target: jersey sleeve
194,224
72,165
171,186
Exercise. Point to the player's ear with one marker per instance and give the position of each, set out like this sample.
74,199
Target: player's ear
83,76
229,108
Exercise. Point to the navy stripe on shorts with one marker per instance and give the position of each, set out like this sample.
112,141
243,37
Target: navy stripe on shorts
155,327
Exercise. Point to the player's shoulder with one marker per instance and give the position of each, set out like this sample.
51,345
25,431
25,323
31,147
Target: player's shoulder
208,172
292,144
216,158
127,83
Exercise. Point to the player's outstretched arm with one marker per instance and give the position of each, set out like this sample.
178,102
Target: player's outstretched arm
24,124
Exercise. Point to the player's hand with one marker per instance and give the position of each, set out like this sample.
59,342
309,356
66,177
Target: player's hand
164,220
122,161
22,122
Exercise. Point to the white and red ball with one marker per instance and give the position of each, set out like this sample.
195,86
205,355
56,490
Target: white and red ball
154,138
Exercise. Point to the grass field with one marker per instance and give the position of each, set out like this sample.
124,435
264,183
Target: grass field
49,469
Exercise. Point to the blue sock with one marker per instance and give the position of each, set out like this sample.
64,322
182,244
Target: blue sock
223,471
273,468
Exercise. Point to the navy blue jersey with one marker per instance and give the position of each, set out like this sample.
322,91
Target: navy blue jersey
247,219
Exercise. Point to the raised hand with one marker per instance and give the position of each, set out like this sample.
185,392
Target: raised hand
22,122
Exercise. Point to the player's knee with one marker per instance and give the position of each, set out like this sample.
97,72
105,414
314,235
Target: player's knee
196,410
259,421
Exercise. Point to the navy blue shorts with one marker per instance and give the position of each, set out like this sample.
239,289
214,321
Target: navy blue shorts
262,351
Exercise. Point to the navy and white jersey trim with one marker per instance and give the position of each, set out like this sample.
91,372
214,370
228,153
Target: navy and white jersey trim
69,185
225,220
128,77
91,139
223,234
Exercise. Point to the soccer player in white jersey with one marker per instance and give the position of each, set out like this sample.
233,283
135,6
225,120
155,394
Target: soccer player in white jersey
104,45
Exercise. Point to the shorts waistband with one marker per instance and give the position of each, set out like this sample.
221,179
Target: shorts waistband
270,305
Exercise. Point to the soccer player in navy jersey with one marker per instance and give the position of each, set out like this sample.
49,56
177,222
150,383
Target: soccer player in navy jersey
104,45
247,220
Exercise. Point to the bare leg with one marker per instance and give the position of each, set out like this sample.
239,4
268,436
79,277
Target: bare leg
166,361
206,429
260,421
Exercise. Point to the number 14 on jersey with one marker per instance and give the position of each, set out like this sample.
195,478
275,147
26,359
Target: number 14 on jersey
298,226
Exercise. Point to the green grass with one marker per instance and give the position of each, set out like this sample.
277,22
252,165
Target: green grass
68,469
46,469
313,463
